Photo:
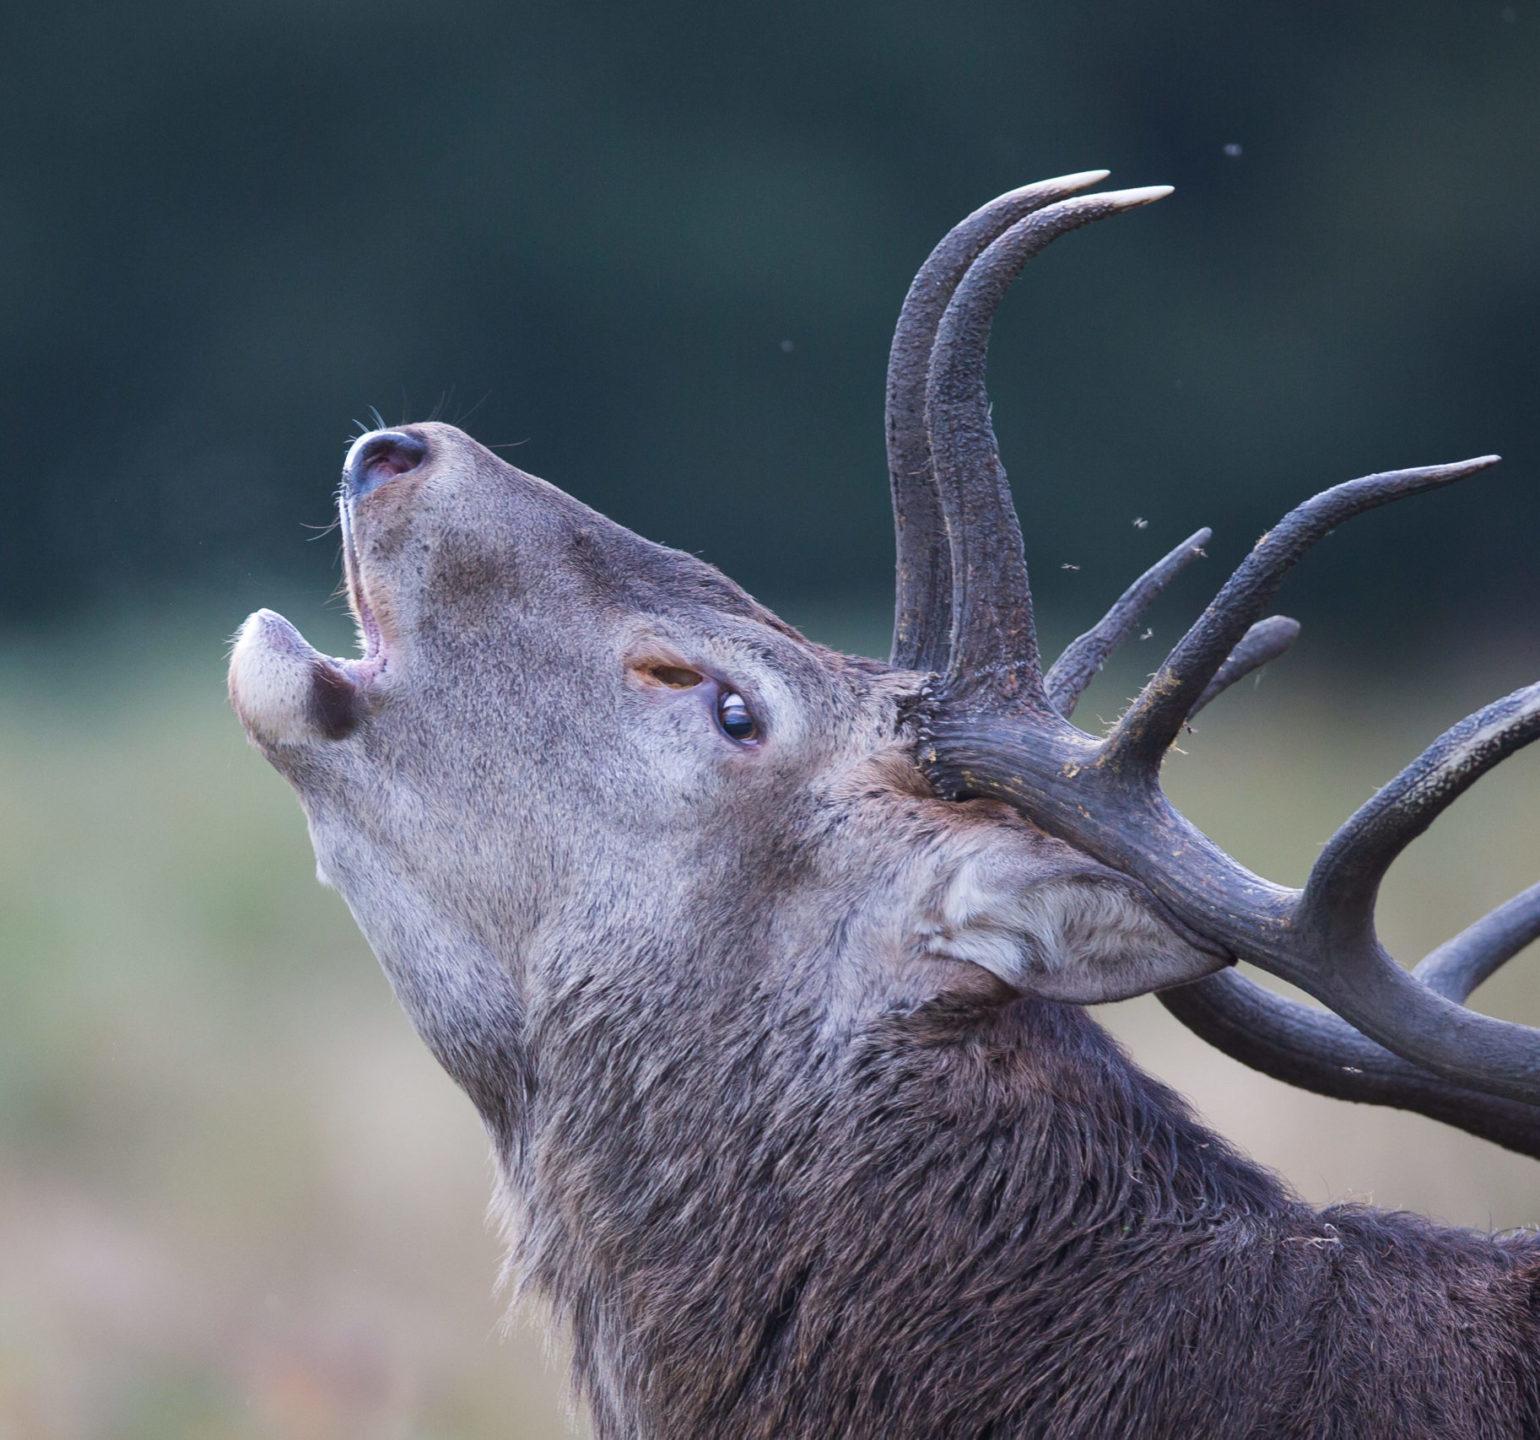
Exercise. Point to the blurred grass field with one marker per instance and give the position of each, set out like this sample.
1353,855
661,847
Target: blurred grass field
237,1198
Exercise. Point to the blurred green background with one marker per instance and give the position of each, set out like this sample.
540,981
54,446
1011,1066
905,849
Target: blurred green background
657,251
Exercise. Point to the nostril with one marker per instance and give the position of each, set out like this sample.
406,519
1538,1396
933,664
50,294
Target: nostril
378,458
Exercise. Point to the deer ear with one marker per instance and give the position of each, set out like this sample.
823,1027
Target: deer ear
1051,923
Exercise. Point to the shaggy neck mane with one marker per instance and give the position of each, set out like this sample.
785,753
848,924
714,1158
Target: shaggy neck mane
957,1224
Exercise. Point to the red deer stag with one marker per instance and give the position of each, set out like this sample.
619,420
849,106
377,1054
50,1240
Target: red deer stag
764,965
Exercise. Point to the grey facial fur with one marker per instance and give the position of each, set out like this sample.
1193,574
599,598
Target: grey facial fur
793,1130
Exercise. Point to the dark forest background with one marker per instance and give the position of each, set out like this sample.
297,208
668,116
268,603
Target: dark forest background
657,250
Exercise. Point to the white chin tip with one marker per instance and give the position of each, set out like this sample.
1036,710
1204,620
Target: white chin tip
272,679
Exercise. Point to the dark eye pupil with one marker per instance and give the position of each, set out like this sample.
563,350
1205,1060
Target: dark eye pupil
735,718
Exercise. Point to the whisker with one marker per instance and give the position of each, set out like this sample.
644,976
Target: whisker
485,396
321,531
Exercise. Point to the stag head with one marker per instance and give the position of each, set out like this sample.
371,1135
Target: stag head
571,762
569,755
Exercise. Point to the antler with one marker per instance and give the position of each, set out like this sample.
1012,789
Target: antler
994,724
923,603
1320,1052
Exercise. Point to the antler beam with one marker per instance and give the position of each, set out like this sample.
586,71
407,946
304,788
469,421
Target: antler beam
993,653
1322,1052
996,725
923,602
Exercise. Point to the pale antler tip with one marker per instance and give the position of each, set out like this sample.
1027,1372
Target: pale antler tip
1459,469
1076,182
1144,195
1061,185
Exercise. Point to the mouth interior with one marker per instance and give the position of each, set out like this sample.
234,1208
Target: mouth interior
371,642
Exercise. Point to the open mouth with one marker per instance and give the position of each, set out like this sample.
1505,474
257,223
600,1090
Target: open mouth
373,657
286,692
373,462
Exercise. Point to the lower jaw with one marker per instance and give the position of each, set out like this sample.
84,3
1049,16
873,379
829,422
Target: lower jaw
289,694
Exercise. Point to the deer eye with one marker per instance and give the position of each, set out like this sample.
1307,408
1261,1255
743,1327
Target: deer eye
735,717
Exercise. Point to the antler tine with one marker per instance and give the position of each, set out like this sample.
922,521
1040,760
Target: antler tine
1338,899
994,640
991,728
1085,655
1056,778
922,620
1459,965
1260,645
1159,711
1322,1052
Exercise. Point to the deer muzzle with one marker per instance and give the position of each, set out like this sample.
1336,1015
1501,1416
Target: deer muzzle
286,692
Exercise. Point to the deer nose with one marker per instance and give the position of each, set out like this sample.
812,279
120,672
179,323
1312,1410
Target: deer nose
378,458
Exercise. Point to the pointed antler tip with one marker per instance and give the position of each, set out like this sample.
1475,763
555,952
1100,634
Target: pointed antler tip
1459,468
1419,474
1144,195
1062,185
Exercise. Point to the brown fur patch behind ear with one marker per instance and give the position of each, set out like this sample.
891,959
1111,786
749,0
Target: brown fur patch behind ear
896,771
